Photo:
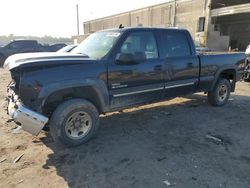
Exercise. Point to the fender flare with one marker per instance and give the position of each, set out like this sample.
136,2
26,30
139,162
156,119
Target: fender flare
219,71
97,85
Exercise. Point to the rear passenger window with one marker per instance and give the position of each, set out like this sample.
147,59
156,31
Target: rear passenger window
175,44
142,43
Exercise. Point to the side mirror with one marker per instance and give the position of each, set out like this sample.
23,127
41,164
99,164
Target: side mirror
125,59
130,59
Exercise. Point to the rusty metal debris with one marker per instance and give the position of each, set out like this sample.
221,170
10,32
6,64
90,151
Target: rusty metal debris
18,158
213,138
2,160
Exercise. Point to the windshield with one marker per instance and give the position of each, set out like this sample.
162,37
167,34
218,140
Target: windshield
97,45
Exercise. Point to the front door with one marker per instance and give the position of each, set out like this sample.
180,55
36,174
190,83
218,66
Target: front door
140,81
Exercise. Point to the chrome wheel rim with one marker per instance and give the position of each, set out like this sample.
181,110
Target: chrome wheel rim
78,125
222,93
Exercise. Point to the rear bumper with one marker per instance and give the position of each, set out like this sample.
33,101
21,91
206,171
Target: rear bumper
30,120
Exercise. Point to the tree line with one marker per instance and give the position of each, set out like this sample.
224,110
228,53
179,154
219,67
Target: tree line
42,40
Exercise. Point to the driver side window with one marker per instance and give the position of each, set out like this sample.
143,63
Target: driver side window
141,44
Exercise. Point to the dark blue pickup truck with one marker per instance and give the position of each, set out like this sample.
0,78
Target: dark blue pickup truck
18,46
25,46
112,70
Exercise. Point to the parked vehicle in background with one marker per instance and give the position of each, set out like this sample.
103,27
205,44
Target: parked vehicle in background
109,71
247,74
201,49
54,47
247,52
67,48
19,46
26,46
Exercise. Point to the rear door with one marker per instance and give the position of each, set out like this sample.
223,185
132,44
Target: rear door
141,82
182,64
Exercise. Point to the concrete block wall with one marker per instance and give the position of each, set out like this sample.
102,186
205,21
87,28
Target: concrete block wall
188,14
180,13
216,42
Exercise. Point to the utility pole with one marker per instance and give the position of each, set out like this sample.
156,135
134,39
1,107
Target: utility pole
175,9
77,19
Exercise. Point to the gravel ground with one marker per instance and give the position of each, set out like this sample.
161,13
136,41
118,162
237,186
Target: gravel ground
182,142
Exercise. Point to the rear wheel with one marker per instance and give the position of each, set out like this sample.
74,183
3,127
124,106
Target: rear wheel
220,94
74,122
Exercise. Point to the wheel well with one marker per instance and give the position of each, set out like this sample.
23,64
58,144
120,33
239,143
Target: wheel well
86,92
229,74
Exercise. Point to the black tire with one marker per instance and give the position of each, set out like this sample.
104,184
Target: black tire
220,93
69,120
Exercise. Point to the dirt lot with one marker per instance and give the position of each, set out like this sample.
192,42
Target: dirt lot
183,142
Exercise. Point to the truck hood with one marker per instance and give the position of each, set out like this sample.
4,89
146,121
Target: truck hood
42,57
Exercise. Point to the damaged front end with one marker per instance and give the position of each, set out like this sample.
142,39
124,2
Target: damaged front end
30,120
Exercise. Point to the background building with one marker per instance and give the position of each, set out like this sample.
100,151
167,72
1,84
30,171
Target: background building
217,24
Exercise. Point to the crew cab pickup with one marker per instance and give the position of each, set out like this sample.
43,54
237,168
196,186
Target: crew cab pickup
112,70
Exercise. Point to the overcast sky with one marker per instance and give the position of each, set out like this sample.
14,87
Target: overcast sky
58,17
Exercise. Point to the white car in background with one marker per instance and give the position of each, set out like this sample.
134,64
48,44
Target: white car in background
67,48
247,74
247,52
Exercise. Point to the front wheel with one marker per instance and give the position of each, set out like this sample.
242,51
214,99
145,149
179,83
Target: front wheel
220,93
74,122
